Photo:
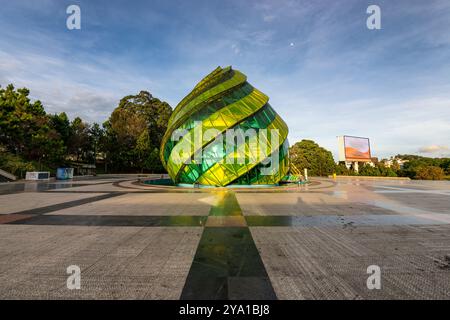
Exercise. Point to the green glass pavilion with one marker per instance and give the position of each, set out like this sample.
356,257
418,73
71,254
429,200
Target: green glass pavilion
223,100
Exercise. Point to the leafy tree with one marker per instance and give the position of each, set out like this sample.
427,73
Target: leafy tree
388,171
143,149
368,170
95,137
60,122
379,170
19,118
79,140
147,156
445,165
46,147
342,170
430,173
134,131
308,154
395,166
26,130
14,163
417,163
129,140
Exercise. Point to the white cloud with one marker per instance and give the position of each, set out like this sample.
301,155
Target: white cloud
333,81
268,17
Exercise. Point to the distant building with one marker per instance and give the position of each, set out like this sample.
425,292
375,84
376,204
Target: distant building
83,169
391,161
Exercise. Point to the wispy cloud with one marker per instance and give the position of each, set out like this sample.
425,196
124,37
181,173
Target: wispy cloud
435,149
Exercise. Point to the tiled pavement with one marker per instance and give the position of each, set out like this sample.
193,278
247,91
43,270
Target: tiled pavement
142,242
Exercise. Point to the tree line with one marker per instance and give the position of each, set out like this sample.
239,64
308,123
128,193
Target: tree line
129,141
320,162
427,168
32,139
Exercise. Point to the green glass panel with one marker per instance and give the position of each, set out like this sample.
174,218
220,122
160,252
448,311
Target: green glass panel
221,101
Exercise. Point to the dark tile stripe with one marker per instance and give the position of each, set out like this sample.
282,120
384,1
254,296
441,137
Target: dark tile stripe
114,220
100,191
69,204
227,264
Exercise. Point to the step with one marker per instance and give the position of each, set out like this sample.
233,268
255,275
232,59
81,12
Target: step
8,175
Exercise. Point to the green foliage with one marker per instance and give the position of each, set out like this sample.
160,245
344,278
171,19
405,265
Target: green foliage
368,170
31,139
26,130
415,167
14,164
134,132
342,170
308,154
80,142
445,165
378,170
129,140
395,166
60,122
389,172
430,173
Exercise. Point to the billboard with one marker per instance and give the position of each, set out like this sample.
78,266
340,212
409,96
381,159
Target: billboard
354,149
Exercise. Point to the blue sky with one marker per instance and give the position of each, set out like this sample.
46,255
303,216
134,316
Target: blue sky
326,74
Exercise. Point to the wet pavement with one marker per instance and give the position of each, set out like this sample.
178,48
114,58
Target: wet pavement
8,188
227,264
136,241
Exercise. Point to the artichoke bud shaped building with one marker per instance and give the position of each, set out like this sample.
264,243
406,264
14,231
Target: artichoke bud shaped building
224,132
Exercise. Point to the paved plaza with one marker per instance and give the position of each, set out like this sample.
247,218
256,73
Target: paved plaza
136,241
